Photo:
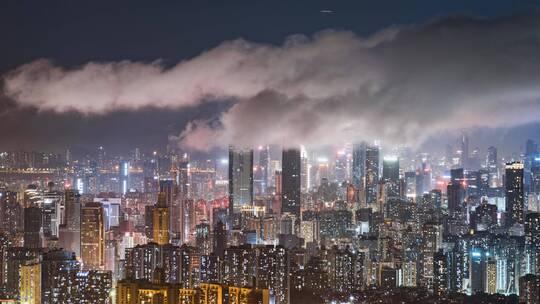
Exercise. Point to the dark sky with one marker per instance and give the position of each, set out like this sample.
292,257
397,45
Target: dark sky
71,33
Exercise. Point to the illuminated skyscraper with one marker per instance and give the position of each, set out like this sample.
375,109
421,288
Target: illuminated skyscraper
92,236
514,192
424,179
70,230
440,273
101,157
264,167
358,167
340,173
4,244
30,284
111,210
183,176
464,150
181,194
371,174
431,243
174,205
531,161
202,238
532,241
11,212
391,176
492,166
304,170
124,177
32,227
290,199
491,276
240,179
161,220
188,220
410,184
52,209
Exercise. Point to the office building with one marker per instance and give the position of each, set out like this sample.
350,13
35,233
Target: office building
240,179
161,220
514,192
92,236
290,178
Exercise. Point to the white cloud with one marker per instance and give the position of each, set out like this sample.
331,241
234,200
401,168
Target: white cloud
401,84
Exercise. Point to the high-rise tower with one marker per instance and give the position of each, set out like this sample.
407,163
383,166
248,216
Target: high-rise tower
264,166
391,175
32,227
358,167
240,179
92,236
371,174
161,220
70,228
290,198
514,192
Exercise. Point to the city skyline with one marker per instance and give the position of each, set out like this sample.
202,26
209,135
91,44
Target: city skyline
270,153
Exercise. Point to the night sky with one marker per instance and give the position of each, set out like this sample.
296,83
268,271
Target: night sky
71,34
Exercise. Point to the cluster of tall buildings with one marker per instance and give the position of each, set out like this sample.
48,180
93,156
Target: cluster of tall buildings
355,223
